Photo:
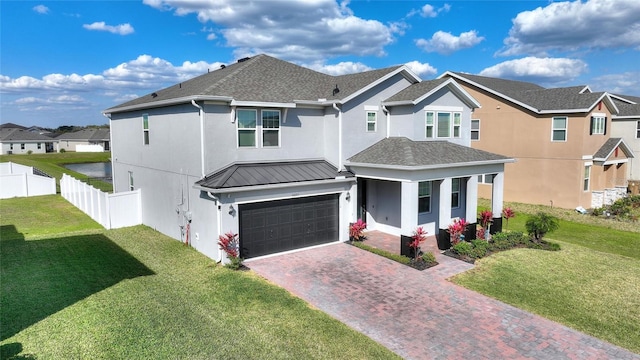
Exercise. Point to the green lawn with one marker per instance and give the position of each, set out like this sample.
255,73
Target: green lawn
79,292
52,164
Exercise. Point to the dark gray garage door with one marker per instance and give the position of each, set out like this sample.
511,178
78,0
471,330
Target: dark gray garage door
275,226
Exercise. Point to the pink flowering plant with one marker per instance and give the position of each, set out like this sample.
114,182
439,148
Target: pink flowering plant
419,236
456,229
356,230
229,243
486,216
508,213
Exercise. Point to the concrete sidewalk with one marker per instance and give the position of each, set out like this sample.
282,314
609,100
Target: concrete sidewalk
420,315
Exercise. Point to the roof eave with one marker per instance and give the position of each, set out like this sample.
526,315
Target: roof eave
408,74
338,179
168,102
430,167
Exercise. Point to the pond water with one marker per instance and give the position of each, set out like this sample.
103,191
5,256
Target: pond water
100,170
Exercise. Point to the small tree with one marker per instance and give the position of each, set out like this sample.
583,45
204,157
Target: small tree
419,236
229,243
508,213
486,216
356,230
540,224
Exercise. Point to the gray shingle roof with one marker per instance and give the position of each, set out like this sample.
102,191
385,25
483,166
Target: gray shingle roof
253,174
12,126
263,78
403,152
537,97
415,91
626,109
100,134
14,134
607,148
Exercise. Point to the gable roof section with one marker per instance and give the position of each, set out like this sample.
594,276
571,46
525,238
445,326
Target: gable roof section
12,126
403,153
264,79
86,134
627,110
417,92
607,149
18,135
250,175
535,98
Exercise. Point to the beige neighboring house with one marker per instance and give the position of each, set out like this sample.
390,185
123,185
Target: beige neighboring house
21,141
99,139
561,139
626,125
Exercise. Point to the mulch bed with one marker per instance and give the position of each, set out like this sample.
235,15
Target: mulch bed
421,264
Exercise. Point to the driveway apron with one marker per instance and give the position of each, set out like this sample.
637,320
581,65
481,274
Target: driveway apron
419,314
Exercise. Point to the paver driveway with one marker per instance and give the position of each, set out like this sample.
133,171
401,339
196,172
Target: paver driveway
420,315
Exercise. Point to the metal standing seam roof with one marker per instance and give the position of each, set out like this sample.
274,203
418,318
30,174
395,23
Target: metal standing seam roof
15,134
403,152
263,78
271,173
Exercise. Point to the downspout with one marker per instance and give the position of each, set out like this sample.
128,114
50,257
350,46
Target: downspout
201,114
339,136
218,220
386,112
113,173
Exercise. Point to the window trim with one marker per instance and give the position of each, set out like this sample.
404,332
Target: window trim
263,129
430,188
586,182
638,129
145,129
428,125
454,126
565,129
475,130
454,191
369,122
239,129
22,146
598,124
39,146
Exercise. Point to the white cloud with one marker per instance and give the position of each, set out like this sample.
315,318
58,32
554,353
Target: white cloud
59,99
547,71
429,11
122,29
445,43
342,68
627,83
41,9
569,26
421,69
304,31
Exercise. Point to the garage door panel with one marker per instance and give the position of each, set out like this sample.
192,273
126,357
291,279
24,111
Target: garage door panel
282,225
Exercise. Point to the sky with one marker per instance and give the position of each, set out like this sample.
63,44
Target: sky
64,62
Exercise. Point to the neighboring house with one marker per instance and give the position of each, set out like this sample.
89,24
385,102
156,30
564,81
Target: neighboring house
561,139
20,141
99,139
12,126
287,157
626,125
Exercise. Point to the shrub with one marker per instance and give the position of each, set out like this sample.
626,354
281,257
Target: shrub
356,230
508,213
597,211
428,257
540,224
419,236
486,216
29,152
462,248
456,229
229,243
479,248
553,246
63,151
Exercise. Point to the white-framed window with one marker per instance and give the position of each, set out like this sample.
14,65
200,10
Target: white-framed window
246,120
443,124
429,124
22,146
455,193
424,196
475,129
559,128
39,146
587,176
270,128
131,181
145,129
10,146
598,124
372,120
485,179
638,129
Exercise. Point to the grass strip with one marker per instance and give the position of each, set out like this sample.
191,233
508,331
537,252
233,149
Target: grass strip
391,256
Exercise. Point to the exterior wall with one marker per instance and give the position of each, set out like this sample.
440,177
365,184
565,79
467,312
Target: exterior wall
627,130
70,145
544,171
28,145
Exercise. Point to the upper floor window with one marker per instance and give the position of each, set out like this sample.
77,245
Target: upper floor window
247,124
145,129
270,128
443,124
424,197
455,193
475,129
372,117
638,129
598,124
559,129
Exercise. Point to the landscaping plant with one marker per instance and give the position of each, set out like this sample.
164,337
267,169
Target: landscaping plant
508,213
419,236
356,230
540,224
456,229
486,216
229,243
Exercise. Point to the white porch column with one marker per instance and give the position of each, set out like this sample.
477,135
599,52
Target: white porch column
471,213
409,207
497,194
444,208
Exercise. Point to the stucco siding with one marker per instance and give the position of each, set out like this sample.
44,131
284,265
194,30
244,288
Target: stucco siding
28,146
627,130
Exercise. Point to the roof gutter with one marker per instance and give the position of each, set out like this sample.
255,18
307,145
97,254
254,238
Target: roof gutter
273,186
429,167
168,102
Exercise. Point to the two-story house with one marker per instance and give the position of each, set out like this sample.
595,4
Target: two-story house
287,157
626,125
560,137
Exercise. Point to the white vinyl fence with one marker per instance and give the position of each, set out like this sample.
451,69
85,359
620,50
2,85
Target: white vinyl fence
18,181
112,211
